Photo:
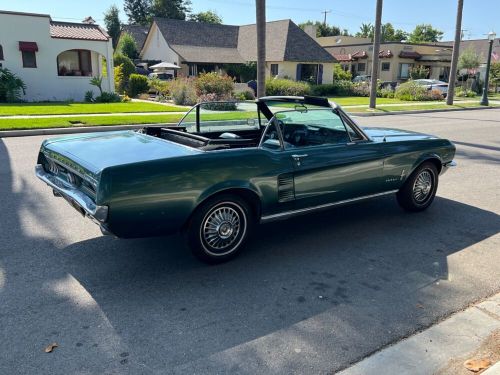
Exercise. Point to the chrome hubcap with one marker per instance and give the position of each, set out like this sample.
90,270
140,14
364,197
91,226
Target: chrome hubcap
422,186
221,228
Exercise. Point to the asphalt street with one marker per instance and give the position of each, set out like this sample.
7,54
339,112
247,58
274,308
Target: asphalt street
310,295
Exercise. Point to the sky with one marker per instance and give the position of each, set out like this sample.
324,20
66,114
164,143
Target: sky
479,16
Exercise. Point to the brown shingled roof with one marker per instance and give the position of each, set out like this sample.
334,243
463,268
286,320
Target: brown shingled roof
410,54
69,30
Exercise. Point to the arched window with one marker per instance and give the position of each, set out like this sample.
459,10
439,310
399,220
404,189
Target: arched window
74,62
1,52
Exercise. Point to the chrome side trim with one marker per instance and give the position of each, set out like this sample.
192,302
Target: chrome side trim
287,214
447,166
100,213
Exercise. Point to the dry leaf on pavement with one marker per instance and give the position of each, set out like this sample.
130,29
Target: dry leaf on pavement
476,365
51,347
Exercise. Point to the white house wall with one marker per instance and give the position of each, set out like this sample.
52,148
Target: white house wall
43,82
157,48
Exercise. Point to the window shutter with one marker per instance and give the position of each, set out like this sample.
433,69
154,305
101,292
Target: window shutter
298,75
320,74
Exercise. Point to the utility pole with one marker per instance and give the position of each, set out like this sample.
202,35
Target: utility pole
376,50
454,56
260,13
325,12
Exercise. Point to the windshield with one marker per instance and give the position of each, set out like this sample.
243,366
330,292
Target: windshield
303,127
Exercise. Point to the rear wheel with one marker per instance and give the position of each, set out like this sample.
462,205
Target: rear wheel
219,228
420,188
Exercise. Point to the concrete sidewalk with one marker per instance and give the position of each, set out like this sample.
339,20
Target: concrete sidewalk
443,348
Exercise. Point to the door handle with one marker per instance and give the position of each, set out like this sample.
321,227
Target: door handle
298,156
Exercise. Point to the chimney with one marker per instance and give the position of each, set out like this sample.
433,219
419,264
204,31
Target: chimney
310,30
89,20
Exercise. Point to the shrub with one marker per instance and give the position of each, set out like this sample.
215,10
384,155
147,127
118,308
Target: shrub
108,97
361,89
216,105
137,84
159,87
183,91
89,96
418,72
461,93
385,93
280,86
127,67
11,86
337,88
118,77
411,91
435,94
340,74
213,83
246,94
97,82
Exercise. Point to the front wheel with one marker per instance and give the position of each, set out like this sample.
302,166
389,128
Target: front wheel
219,228
419,189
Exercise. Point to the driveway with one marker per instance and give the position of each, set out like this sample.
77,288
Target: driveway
309,295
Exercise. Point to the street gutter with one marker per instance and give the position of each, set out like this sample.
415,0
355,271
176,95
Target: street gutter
104,128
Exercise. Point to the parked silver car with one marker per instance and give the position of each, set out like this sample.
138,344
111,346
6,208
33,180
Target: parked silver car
434,84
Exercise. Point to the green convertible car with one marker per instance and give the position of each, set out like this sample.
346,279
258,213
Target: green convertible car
228,166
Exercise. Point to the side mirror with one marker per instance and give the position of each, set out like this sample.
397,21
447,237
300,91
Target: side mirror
251,122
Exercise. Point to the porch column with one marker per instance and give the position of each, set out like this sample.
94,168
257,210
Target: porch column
110,66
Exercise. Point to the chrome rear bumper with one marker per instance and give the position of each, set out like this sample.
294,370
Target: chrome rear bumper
75,197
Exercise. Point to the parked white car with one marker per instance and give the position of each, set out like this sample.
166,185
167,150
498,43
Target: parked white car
434,84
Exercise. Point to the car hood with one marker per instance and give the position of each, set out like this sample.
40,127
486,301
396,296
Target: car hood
389,134
96,151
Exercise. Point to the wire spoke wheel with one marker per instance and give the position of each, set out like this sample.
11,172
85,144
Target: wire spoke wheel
223,228
423,186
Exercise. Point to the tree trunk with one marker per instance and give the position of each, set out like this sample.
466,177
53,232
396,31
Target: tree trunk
376,50
454,56
261,47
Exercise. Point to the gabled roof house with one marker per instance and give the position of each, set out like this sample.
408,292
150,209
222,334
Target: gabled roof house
56,60
197,47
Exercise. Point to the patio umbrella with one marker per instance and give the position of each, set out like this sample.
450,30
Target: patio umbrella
165,65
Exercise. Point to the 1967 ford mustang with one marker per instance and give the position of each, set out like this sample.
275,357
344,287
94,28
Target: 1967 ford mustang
226,167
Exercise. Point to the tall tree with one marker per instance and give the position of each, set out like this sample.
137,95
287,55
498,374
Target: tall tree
365,31
324,29
210,16
127,46
389,34
112,22
138,11
425,33
260,15
454,56
376,48
173,9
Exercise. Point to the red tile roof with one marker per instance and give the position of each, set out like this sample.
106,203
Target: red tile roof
343,57
360,55
385,53
69,30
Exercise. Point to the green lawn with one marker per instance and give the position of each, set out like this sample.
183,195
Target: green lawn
439,105
40,123
28,109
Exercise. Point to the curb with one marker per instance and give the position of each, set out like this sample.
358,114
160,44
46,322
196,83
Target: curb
430,350
364,114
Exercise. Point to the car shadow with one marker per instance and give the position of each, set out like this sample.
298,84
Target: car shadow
353,278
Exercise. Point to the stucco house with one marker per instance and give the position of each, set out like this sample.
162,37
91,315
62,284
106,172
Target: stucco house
396,58
197,47
55,60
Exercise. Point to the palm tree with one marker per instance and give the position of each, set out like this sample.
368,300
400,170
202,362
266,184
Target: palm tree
260,8
454,56
365,30
376,49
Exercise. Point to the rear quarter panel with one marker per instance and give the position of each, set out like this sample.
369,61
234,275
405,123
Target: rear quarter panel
159,196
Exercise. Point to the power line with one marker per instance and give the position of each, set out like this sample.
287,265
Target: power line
325,12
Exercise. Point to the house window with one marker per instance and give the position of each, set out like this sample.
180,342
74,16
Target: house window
309,73
386,66
361,67
75,62
29,59
28,53
1,52
404,70
274,70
